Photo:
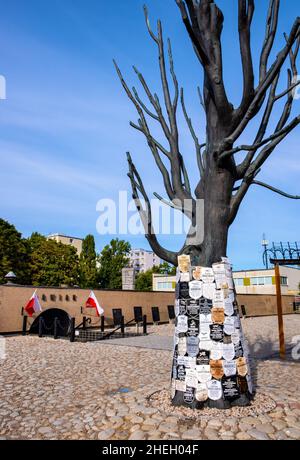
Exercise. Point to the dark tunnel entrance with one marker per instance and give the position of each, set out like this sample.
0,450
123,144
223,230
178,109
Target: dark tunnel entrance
48,316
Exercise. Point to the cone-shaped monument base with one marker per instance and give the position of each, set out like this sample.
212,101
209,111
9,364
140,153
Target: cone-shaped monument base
210,362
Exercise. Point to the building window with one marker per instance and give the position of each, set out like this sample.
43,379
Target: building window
71,240
67,298
164,285
44,298
75,298
53,298
283,281
60,298
239,281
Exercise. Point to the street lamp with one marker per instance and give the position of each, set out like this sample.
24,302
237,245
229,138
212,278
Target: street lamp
265,244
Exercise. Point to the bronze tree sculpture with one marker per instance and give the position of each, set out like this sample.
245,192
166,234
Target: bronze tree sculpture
223,182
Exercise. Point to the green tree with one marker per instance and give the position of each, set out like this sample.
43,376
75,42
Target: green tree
52,263
144,280
14,253
87,263
112,259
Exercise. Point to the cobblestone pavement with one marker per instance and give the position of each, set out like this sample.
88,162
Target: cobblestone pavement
54,389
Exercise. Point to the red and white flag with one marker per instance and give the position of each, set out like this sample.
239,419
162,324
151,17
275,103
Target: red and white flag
92,302
33,305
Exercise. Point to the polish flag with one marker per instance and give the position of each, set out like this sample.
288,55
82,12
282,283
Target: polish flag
33,305
92,302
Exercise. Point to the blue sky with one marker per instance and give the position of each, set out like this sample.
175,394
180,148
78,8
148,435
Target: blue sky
64,126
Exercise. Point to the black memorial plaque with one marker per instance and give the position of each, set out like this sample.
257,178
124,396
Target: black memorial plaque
155,314
217,332
205,306
230,388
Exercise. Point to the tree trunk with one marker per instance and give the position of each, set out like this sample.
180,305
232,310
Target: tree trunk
216,190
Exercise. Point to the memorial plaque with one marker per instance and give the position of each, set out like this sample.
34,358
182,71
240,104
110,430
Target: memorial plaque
207,275
174,372
189,362
193,308
181,361
204,335
229,325
189,395
180,385
185,277
203,358
208,290
235,337
218,299
173,388
196,271
228,351
195,289
193,327
181,373
205,306
242,367
183,290
191,378
192,346
242,384
181,347
205,345
214,388
182,323
205,322
216,369
219,269
203,373
201,393
117,316
182,305
216,332
238,350
228,306
216,352
230,388
176,310
218,315
184,263
229,368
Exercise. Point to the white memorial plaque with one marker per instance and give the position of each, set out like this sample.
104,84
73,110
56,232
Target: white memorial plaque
182,348
229,368
228,351
214,388
180,385
201,393
182,323
209,290
207,275
195,289
229,325
203,373
216,351
228,306
184,277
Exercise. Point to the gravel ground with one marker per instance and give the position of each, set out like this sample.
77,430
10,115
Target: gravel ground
54,389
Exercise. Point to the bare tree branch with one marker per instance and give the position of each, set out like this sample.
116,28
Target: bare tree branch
271,28
193,134
276,190
263,87
146,215
287,129
246,11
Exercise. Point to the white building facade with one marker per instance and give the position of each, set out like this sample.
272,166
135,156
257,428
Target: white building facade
247,282
142,260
